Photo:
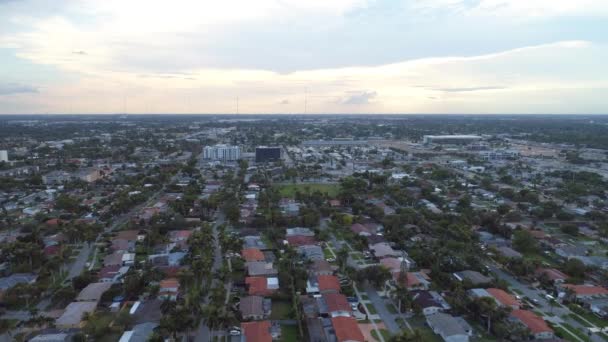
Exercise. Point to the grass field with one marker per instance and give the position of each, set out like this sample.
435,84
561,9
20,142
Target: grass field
280,310
289,333
289,190
384,334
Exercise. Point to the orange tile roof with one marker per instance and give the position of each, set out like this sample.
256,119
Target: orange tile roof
336,302
256,331
502,297
252,254
552,273
346,329
258,286
169,283
587,290
535,323
328,282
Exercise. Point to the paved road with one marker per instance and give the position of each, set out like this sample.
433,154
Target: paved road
204,333
556,315
80,262
374,325
380,305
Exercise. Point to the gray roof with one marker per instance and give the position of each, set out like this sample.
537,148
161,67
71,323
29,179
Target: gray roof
299,231
473,276
252,306
61,337
260,268
140,333
312,252
73,313
16,278
93,292
448,325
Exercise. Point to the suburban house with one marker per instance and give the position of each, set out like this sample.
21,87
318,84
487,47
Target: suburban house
73,313
169,289
93,292
450,328
322,284
473,277
346,329
260,269
321,267
501,297
252,254
334,305
584,291
537,325
430,302
255,307
262,286
258,331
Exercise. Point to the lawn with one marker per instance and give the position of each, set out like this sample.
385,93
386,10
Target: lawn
371,309
385,333
586,315
280,310
327,253
575,331
289,333
290,190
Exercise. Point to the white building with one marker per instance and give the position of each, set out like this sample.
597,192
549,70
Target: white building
222,152
3,156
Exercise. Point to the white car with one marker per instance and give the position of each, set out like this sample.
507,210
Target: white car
235,332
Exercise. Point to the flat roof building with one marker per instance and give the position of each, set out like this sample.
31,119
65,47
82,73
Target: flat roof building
450,139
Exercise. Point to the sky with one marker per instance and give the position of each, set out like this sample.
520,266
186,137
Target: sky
304,56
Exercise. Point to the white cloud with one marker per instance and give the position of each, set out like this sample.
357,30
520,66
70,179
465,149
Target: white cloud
501,82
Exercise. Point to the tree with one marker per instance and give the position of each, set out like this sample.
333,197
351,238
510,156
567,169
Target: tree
569,229
524,242
574,268
408,336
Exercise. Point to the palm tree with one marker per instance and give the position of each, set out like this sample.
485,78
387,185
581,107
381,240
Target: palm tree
402,295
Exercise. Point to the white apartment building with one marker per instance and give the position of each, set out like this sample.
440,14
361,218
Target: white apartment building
222,152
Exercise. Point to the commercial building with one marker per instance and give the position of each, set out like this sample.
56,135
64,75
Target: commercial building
450,139
3,156
335,142
267,154
222,152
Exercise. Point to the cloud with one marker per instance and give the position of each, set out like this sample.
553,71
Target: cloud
469,89
360,98
15,88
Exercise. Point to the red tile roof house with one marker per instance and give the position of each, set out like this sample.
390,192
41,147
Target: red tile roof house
555,276
415,280
328,284
337,304
504,298
585,291
261,286
537,325
347,329
360,229
252,254
180,235
256,331
299,240
334,203
169,289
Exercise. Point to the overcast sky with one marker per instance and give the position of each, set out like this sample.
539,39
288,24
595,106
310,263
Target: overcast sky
292,56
